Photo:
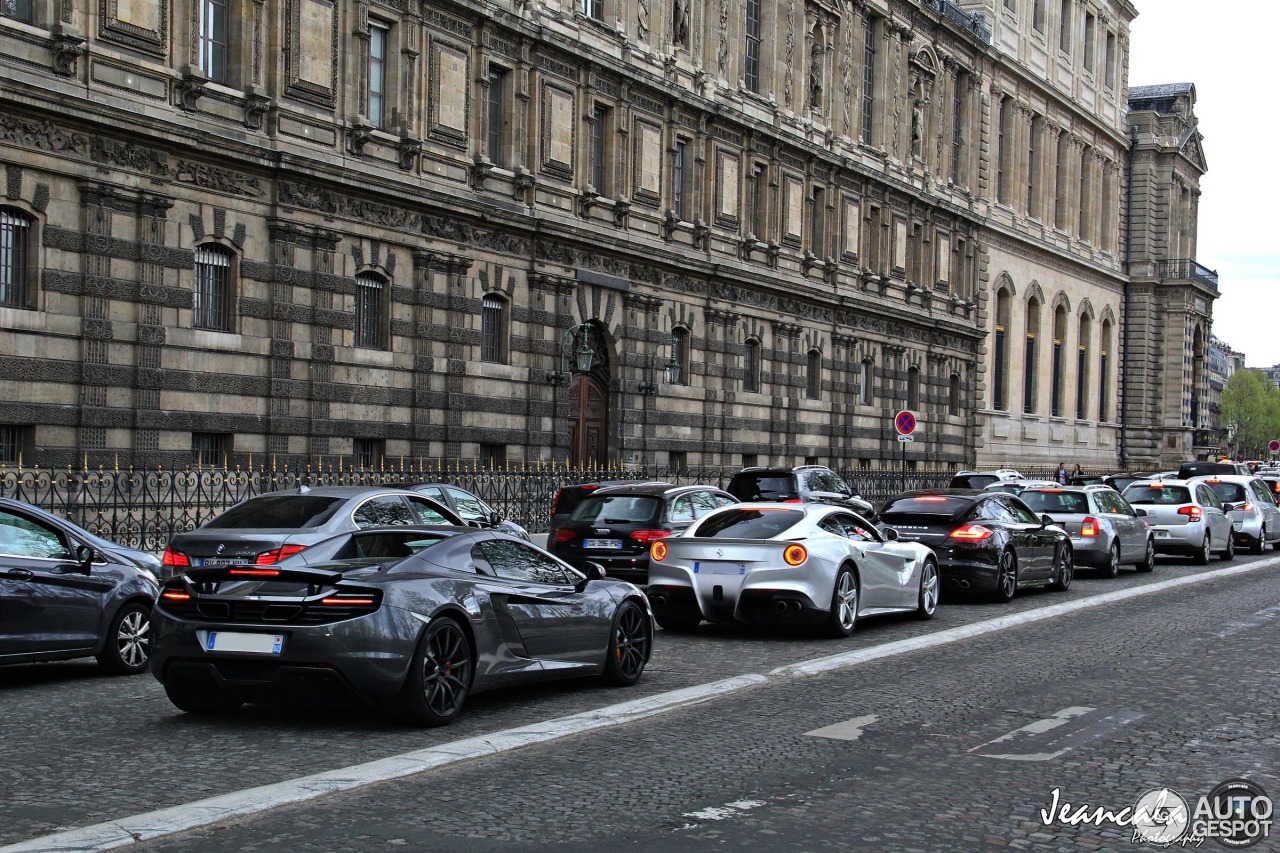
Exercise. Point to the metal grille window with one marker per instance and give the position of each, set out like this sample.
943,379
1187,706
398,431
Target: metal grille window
15,239
211,307
211,448
19,10
497,113
813,376
366,452
493,456
493,325
377,73
678,180
865,391
211,39
593,9
369,311
913,388
868,78
751,66
10,443
751,367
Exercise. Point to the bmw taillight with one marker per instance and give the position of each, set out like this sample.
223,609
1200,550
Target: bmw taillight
1192,511
175,559
266,558
1089,527
563,535
649,535
795,554
972,533
658,551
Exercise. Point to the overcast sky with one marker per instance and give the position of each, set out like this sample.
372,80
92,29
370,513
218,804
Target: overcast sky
1224,49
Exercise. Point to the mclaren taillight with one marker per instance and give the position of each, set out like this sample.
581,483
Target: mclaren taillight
176,559
1193,512
658,551
266,558
1089,527
649,535
563,535
795,554
254,573
972,533
349,600
175,595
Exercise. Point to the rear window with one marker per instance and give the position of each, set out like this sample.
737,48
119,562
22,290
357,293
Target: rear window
1200,469
763,487
1051,501
972,481
748,523
278,511
618,509
1138,494
1229,492
946,506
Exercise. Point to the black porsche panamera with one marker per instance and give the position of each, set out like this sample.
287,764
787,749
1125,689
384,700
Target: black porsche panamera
412,619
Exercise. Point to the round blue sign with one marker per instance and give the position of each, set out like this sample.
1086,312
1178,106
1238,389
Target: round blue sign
904,423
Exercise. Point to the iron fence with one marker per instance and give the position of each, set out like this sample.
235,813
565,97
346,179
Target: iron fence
144,508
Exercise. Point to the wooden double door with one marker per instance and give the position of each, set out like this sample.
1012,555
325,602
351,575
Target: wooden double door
588,421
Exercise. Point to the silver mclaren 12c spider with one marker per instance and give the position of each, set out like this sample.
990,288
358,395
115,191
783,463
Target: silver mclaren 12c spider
412,619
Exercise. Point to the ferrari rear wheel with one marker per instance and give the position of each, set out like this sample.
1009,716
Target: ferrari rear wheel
194,700
630,641
844,605
927,602
439,676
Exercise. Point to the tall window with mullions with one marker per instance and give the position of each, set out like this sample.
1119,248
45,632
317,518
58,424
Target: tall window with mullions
493,321
19,10
211,305
15,235
377,74
370,296
868,79
211,39
593,9
751,63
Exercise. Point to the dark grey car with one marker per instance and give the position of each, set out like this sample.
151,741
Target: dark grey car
268,528
64,596
1105,531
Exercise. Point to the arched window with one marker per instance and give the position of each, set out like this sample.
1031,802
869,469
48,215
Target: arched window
813,375
953,396
680,349
212,299
913,388
1059,380
866,378
371,312
15,259
493,329
1082,368
1000,363
1030,362
751,366
1104,372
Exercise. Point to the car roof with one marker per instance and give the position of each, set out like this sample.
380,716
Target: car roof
655,489
340,491
1225,478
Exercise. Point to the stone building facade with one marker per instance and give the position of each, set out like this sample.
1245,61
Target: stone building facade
544,230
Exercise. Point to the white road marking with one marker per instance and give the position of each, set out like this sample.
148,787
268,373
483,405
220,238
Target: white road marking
129,830
724,812
1257,620
848,730
1045,740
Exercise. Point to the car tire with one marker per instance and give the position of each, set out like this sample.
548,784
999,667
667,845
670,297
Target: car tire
1228,554
1064,568
927,601
630,642
191,699
1260,544
844,604
1202,556
1112,568
1006,577
1148,563
127,650
439,676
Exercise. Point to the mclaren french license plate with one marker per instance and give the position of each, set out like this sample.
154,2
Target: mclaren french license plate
719,567
234,641
602,543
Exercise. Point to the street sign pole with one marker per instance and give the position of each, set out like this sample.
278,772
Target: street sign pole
904,423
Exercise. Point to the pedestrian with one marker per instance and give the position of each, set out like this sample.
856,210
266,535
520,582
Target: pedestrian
1061,474
1076,471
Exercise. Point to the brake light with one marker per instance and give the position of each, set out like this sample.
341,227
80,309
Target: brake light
658,551
563,535
266,558
1051,491
1192,511
931,499
795,554
349,600
649,535
793,501
255,573
177,559
1247,507
1089,527
1214,480
972,533
175,595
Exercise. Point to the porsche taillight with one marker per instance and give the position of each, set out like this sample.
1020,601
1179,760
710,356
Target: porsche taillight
972,533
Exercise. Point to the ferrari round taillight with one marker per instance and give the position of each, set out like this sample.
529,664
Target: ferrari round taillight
794,554
658,550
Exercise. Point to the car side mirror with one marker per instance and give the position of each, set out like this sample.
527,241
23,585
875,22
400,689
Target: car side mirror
494,518
1045,521
593,571
891,534
1139,512
84,556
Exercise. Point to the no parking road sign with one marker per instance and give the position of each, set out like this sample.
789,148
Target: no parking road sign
1274,446
905,423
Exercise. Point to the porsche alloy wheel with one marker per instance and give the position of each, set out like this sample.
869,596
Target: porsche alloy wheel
1007,577
439,677
1064,568
844,605
927,603
630,642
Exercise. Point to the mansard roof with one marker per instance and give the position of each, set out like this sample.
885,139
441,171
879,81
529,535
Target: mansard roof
1160,91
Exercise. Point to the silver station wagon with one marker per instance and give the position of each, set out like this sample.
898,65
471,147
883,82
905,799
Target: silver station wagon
1105,530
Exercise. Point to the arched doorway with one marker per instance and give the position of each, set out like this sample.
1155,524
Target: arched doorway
588,425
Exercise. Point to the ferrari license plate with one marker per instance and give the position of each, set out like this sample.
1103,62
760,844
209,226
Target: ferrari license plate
602,543
719,568
232,641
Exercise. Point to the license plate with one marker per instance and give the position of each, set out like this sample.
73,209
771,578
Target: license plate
232,641
1161,534
602,543
719,568
221,561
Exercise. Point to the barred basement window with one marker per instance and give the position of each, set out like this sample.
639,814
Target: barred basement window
370,299
813,376
493,456
15,241
367,452
493,332
211,308
211,448
11,443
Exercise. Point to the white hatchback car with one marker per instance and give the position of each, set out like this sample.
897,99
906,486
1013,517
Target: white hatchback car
1252,506
1187,518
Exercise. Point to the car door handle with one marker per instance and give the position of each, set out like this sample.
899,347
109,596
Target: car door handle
20,574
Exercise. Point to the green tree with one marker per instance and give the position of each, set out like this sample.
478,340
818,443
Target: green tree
1250,412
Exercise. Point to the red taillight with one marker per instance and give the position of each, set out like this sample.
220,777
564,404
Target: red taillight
795,554
1192,511
175,595
972,533
1247,507
649,535
177,559
793,501
563,535
658,551
1089,527
266,558
349,600
931,499
254,573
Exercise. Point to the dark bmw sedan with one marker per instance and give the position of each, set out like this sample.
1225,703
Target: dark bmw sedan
990,541
267,529
614,526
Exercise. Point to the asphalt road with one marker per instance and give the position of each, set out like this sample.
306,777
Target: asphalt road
1178,690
